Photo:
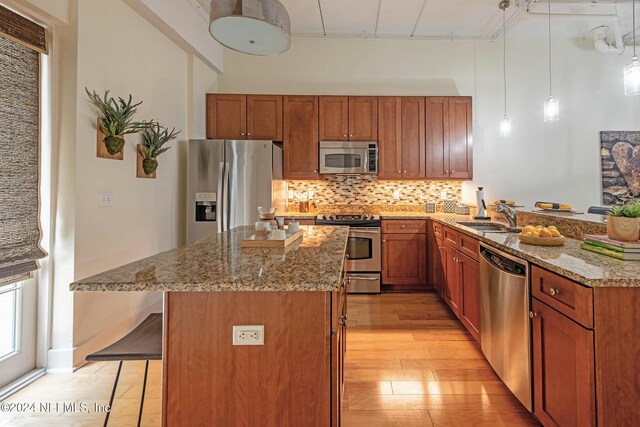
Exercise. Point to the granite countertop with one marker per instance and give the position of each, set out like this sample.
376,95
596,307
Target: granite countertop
218,263
297,215
569,260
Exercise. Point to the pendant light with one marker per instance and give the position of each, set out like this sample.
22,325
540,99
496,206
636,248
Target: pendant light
505,124
632,71
551,106
256,27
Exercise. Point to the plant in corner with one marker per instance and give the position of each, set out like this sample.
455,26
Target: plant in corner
153,141
116,119
624,222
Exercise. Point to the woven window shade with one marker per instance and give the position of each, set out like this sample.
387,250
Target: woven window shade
19,160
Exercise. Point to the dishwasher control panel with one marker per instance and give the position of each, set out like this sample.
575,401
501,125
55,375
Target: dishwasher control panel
503,263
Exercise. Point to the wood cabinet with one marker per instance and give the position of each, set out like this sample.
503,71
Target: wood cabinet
226,116
348,118
455,273
563,369
413,137
469,276
264,117
257,117
294,379
449,144
389,137
404,253
300,137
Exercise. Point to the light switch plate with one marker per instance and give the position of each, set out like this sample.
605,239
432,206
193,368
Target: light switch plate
105,200
396,194
248,334
443,195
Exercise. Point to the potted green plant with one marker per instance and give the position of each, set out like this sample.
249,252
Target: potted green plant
116,119
153,141
623,222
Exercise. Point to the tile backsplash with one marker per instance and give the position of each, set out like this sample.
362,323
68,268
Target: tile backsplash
368,190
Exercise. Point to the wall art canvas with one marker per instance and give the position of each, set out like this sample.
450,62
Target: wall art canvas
620,153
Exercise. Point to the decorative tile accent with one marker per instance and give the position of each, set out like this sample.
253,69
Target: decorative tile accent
367,190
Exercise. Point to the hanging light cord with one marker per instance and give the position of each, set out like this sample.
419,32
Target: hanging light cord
549,9
633,18
504,57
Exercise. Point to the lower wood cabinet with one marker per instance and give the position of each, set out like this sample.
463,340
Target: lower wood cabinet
563,369
404,253
470,294
452,291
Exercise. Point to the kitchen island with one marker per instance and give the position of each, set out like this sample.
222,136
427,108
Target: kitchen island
297,294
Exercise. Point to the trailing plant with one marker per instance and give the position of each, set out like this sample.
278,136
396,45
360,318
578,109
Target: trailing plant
117,119
630,210
153,141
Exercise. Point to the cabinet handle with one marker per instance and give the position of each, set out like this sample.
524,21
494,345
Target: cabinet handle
554,292
532,314
441,247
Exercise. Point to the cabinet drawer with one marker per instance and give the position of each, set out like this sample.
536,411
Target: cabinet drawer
451,237
301,221
566,296
438,229
404,226
469,246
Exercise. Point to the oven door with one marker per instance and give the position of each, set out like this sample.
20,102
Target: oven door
344,160
363,249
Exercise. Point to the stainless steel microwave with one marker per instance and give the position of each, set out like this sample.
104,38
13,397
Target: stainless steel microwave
348,157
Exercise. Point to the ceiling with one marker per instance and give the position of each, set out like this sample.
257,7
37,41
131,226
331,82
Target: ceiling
436,19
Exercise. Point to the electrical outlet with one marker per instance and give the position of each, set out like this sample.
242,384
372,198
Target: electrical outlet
105,200
290,194
396,194
248,334
443,195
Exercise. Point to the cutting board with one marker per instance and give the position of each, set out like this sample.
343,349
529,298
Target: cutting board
253,242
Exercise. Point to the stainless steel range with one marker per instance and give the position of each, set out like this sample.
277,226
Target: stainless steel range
364,259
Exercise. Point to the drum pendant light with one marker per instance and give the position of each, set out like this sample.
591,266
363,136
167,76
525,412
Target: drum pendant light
256,27
632,71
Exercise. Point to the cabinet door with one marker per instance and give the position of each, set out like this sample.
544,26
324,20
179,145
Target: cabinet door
563,369
404,259
363,118
470,295
264,117
389,137
452,279
334,118
301,137
434,264
413,137
460,140
226,116
437,145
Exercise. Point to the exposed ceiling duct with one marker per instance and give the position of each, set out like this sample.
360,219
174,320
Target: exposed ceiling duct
601,43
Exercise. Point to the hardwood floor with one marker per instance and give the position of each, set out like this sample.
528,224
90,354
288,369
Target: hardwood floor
409,363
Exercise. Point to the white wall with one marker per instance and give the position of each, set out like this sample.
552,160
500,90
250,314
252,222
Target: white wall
558,161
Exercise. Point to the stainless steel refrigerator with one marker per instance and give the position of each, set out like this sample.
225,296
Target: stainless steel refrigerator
228,180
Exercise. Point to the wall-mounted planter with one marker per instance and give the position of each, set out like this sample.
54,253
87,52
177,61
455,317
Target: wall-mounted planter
143,164
102,150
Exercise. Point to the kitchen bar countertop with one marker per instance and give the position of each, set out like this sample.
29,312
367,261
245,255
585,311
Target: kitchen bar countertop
218,263
569,260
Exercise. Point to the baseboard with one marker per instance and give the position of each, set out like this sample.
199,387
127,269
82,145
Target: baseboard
70,359
21,383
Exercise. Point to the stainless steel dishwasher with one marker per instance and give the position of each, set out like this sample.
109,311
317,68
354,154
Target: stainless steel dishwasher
504,319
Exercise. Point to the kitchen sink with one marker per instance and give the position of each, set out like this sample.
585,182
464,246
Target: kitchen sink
485,227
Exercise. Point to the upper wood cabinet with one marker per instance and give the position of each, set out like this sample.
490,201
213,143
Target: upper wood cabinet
348,118
363,118
226,116
401,137
244,117
449,151
300,137
264,117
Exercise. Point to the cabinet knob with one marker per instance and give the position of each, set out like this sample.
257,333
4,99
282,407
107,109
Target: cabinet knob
399,171
350,136
554,292
446,171
242,133
404,171
532,314
249,133
453,171
345,135
315,171
384,241
403,226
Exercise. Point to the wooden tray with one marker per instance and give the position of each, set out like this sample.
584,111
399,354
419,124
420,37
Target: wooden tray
252,242
541,241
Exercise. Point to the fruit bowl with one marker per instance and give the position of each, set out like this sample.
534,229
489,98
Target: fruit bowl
542,241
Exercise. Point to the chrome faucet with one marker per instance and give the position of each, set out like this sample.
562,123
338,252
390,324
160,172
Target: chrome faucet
508,213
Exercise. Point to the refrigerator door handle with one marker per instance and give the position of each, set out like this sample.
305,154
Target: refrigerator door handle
220,199
226,201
